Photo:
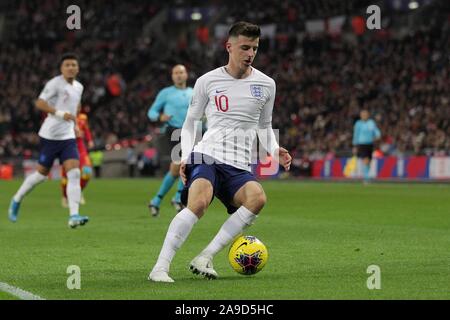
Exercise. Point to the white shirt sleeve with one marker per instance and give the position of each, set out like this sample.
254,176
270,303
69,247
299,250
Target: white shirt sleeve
50,91
266,134
195,112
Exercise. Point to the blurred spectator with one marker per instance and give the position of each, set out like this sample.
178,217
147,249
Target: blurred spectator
203,34
97,162
132,160
115,84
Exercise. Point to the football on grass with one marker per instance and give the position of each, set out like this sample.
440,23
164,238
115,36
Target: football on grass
248,255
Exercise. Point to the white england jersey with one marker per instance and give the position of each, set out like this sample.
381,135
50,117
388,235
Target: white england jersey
235,109
63,96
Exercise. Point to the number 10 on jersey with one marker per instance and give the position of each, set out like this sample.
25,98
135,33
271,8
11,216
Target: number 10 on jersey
221,103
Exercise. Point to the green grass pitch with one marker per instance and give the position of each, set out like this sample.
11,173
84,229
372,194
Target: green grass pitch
6,296
321,238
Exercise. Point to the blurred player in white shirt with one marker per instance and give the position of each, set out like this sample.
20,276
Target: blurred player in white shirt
238,102
60,99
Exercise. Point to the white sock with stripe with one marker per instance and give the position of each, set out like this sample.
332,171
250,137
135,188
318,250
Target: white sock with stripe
73,190
29,183
178,231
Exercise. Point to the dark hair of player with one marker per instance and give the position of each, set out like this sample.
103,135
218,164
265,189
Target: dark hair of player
246,29
68,56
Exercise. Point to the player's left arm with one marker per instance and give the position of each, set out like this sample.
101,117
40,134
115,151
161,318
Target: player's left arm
77,127
87,133
267,136
377,132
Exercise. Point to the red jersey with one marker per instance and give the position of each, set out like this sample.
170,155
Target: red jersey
84,133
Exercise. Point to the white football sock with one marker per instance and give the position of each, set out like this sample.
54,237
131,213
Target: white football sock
29,183
234,226
178,231
73,190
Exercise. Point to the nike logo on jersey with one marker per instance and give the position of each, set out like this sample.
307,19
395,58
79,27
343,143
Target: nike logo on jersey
220,91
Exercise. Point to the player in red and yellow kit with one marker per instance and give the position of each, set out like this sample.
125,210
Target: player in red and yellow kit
83,134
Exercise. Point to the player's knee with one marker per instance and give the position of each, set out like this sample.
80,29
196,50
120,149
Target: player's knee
174,169
200,195
255,201
198,206
43,170
174,173
260,200
199,203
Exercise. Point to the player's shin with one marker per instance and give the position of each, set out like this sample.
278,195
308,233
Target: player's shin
30,182
233,227
86,174
73,190
166,184
178,231
366,171
64,186
180,188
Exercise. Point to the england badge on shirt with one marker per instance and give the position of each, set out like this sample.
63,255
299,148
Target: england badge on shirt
256,91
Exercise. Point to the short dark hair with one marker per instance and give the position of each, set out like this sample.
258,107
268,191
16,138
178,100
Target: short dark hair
246,29
67,56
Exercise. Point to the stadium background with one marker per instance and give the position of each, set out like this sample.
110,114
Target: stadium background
325,61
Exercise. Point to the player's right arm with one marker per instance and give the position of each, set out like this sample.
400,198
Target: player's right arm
154,112
355,133
355,137
195,113
50,91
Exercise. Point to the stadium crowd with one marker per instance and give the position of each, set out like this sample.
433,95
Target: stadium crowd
322,81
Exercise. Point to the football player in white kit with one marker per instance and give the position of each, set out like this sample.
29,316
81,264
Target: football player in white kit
235,98
60,99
